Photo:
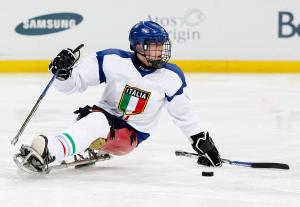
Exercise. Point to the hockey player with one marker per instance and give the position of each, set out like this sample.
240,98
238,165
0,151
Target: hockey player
138,85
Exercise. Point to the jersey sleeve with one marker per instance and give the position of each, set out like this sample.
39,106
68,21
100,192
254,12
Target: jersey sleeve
85,73
183,114
179,105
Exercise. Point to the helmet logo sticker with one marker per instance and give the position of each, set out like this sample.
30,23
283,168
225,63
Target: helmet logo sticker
145,30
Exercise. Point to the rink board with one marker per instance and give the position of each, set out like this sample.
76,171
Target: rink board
207,66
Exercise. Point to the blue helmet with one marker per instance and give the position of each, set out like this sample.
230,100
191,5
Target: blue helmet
146,32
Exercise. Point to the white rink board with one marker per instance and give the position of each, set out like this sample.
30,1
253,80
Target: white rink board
199,29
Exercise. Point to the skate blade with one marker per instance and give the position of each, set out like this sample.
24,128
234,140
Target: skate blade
22,163
84,165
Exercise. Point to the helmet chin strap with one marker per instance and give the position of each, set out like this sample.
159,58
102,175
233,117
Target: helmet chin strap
141,54
142,64
153,63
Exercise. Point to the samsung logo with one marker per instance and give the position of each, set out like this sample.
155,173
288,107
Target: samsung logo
49,23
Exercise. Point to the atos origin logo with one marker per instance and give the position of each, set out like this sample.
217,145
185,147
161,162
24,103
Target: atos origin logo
49,23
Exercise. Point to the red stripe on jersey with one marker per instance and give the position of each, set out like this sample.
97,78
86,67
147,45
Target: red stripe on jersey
140,106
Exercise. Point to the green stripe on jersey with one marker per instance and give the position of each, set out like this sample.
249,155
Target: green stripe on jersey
125,102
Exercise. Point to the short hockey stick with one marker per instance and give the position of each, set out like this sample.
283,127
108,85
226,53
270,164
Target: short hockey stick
36,105
239,163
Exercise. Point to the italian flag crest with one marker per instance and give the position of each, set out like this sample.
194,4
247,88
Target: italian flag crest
133,100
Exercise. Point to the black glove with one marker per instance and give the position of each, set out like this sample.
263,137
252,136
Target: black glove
203,145
63,62
83,112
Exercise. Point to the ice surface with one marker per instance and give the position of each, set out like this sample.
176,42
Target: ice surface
250,117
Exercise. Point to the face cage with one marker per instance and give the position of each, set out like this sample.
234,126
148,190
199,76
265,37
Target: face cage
164,55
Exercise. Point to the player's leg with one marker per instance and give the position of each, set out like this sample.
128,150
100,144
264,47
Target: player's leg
76,139
123,142
90,130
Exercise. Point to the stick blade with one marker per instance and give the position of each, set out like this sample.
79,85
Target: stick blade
270,165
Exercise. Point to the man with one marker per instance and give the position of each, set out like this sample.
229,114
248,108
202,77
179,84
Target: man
138,85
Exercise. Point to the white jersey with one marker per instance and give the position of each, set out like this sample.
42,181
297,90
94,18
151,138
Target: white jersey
132,93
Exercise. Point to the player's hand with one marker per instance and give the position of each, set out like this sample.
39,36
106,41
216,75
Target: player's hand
203,145
83,112
63,63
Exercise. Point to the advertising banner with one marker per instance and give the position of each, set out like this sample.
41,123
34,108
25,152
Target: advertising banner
199,29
